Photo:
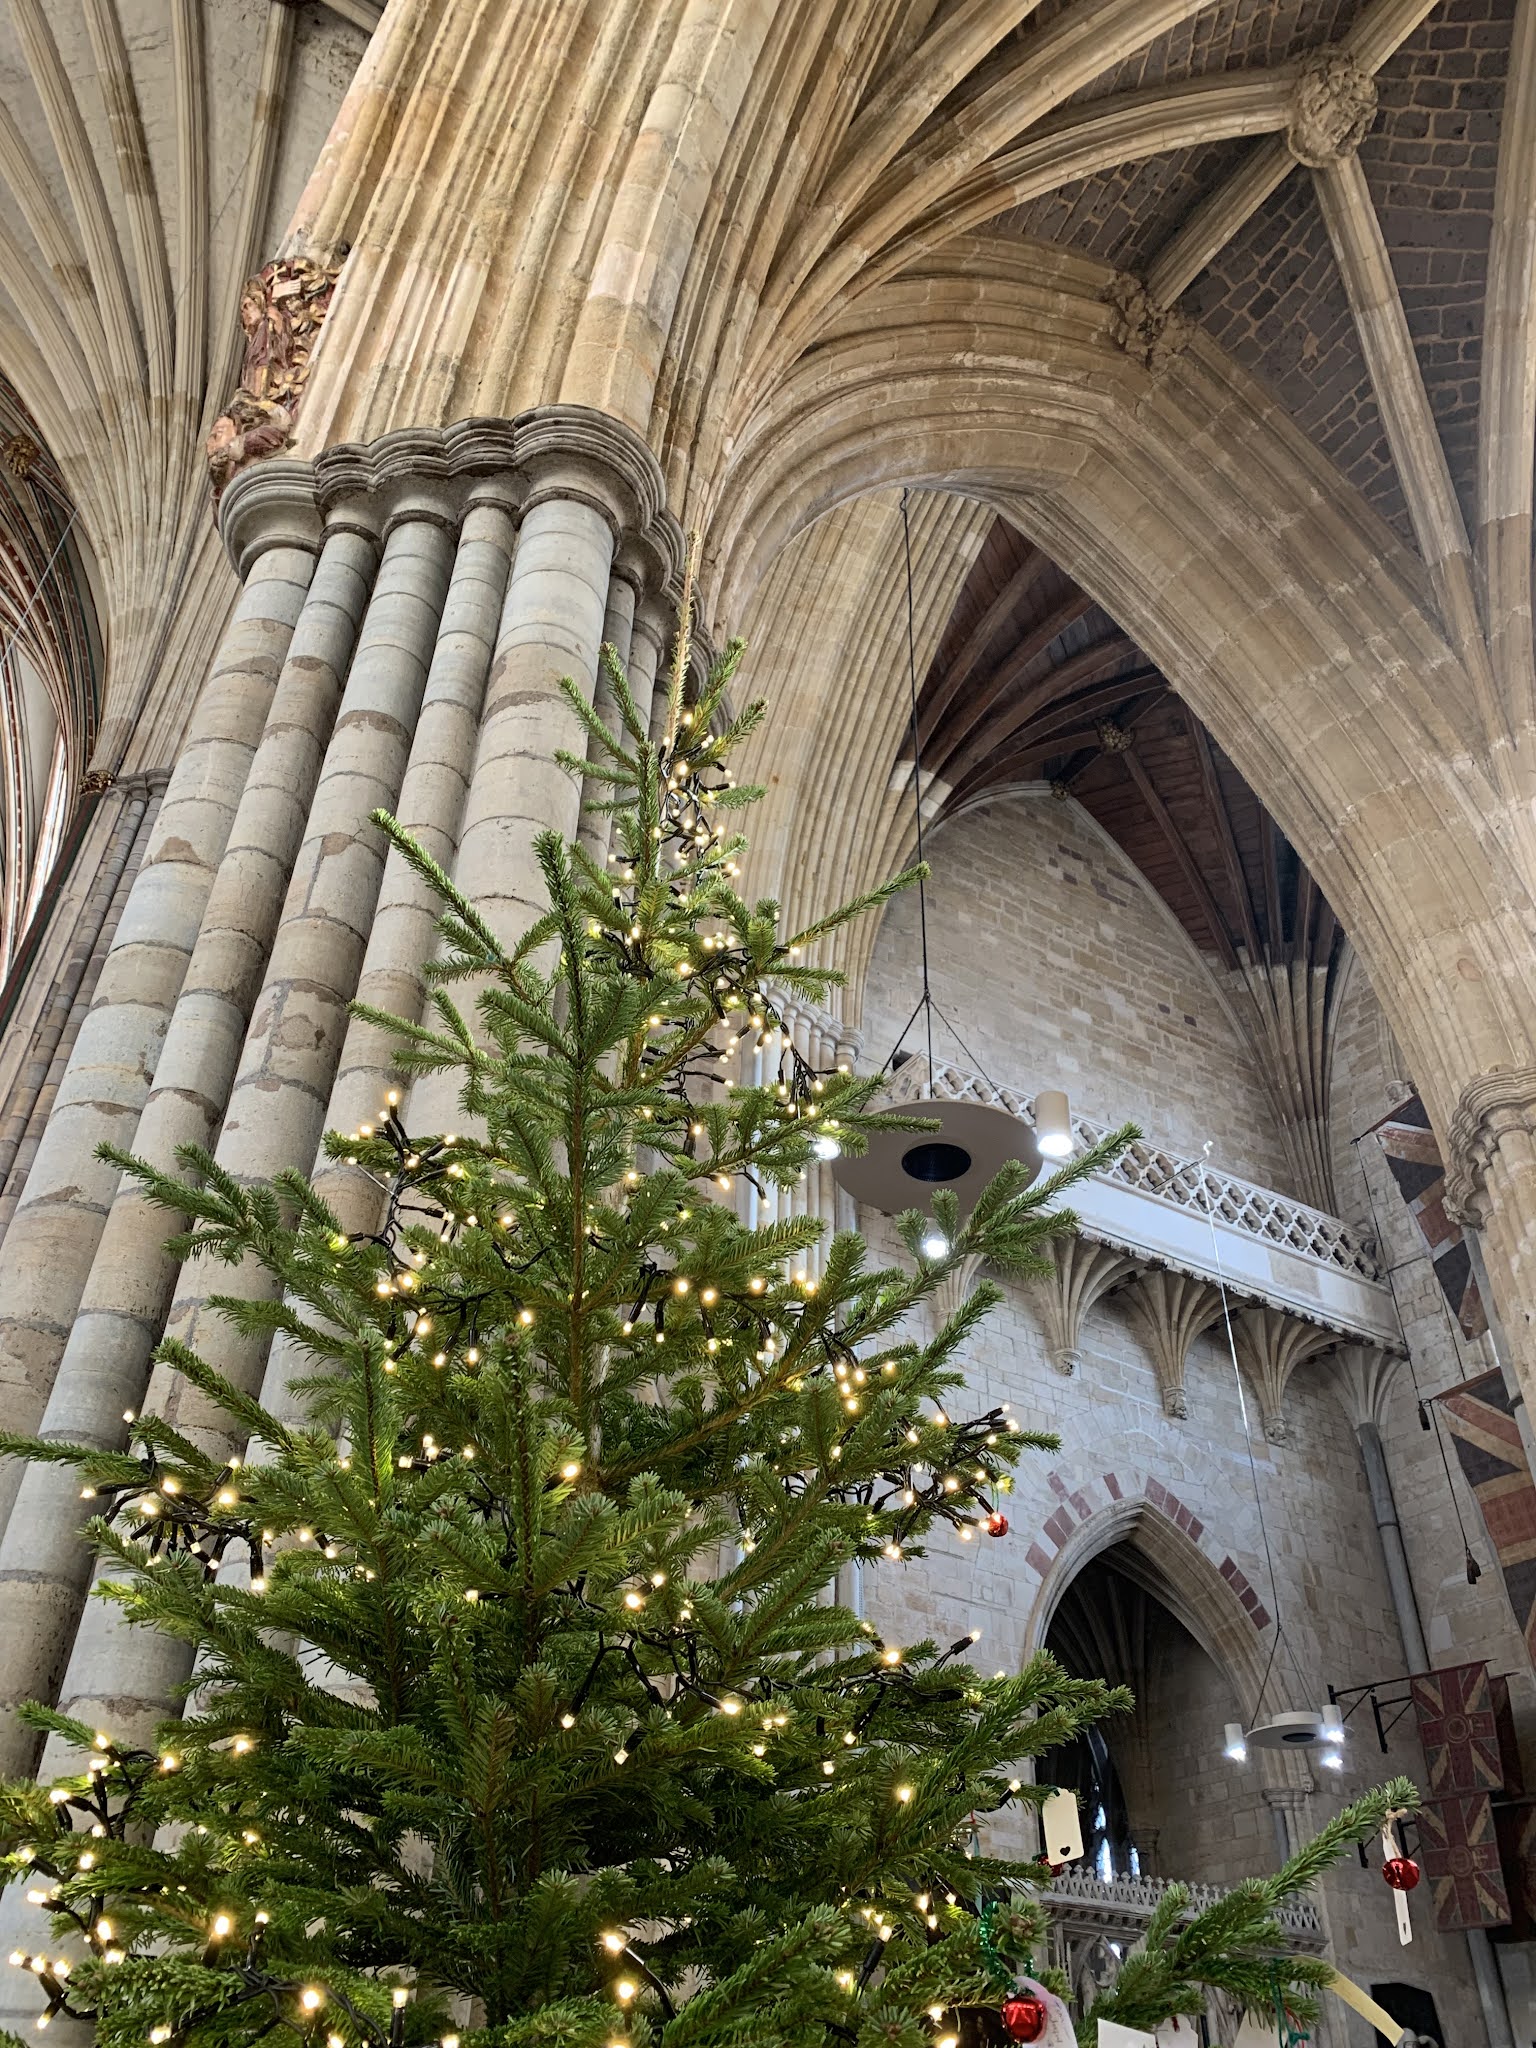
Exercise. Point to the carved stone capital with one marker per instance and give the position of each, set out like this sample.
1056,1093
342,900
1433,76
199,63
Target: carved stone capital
575,451
1490,1108
270,506
1154,334
436,473
1332,107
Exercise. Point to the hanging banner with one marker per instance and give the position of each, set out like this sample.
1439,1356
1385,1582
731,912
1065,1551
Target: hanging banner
1459,1855
1459,1730
1418,1169
1492,1457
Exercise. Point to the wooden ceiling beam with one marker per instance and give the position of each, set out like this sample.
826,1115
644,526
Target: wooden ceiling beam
1232,860
1189,867
1062,729
990,732
1034,566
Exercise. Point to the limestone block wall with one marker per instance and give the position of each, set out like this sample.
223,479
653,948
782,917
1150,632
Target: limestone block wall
1191,1805
1056,965
1060,967
1188,1490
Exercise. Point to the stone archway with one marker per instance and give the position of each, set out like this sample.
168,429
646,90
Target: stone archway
1284,613
1191,1574
1204,1588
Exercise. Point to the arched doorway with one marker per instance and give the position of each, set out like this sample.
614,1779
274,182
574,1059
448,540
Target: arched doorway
1153,1792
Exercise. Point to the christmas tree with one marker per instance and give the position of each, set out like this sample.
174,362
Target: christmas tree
522,1712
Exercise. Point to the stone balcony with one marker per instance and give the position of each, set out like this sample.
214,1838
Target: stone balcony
1094,1923
1177,1231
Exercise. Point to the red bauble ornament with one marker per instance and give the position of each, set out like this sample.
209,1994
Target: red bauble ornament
1024,2016
997,1525
1401,1873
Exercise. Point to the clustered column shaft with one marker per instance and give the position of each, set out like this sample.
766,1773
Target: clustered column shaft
58,1223
407,614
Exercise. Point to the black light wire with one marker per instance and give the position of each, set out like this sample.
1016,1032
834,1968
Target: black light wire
925,1002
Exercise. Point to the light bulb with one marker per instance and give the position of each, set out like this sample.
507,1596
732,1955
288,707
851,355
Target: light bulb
1053,1124
1235,1744
935,1245
1333,1725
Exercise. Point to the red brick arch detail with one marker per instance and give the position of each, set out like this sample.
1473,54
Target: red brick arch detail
1075,1505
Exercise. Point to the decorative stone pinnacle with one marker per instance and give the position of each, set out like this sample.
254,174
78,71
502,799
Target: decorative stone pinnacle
1332,108
1154,334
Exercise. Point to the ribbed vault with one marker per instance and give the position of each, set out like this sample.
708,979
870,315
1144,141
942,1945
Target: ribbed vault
147,160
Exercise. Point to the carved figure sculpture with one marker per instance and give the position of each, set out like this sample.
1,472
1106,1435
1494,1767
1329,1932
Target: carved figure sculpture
282,310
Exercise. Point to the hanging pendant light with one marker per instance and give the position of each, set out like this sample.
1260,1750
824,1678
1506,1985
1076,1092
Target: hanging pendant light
972,1140
905,1169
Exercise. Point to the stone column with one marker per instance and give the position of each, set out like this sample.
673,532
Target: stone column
96,944
595,828
125,1678
590,480
130,801
431,808
58,1223
44,1568
646,642
1490,1185
1287,1808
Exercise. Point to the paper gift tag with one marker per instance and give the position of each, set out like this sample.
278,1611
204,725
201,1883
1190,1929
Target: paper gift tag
1059,2030
1113,2035
1061,1832
1390,1849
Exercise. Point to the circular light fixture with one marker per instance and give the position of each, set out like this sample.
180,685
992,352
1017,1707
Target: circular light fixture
1303,1730
903,1169
1319,1731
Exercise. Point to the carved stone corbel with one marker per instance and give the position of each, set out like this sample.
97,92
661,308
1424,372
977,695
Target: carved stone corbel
954,1290
1490,1109
1332,108
1362,1377
1153,334
1270,1346
1084,1273
1173,1309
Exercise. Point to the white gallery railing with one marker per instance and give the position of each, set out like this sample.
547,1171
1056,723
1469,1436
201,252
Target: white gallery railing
1186,1213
